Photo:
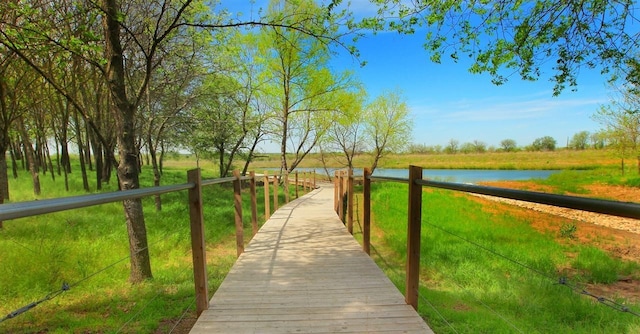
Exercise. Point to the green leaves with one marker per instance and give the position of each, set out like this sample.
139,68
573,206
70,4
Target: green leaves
522,36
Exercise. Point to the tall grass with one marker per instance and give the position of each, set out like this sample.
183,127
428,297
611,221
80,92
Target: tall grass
88,249
559,159
473,290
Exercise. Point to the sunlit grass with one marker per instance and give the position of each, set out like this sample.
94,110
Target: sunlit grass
88,249
469,284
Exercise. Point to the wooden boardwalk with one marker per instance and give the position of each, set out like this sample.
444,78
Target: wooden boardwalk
304,273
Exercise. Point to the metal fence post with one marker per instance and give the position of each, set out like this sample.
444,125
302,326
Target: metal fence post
198,248
237,190
413,237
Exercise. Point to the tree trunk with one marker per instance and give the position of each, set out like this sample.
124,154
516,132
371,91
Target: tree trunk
49,161
30,155
124,115
14,162
156,171
283,144
4,176
81,154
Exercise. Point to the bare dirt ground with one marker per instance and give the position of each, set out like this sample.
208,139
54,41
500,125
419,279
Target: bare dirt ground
618,236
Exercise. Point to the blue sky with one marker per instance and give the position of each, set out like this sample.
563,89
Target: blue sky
447,102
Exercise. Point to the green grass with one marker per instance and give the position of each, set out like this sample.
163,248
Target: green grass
465,282
86,248
574,181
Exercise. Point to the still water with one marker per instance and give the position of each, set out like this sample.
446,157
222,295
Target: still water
455,175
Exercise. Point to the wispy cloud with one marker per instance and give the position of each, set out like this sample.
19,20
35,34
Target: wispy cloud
535,106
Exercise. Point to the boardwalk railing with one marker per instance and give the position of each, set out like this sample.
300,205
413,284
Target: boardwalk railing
344,200
194,186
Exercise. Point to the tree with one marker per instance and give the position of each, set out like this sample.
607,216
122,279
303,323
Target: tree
302,87
598,140
545,143
519,36
621,118
346,133
452,146
479,146
580,140
508,145
467,148
621,129
388,125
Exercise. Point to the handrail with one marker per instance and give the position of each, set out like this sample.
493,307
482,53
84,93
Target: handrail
620,209
219,181
33,208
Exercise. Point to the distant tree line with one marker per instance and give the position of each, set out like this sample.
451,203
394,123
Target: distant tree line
580,141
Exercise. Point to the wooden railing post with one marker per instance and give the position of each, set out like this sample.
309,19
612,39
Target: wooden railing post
307,181
314,179
286,187
336,189
267,200
254,204
237,190
341,194
275,193
297,184
198,248
350,200
304,182
366,214
413,237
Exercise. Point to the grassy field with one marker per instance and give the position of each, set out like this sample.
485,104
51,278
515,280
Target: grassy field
468,288
560,159
88,249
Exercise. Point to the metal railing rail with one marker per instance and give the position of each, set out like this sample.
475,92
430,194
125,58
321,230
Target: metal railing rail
40,207
615,208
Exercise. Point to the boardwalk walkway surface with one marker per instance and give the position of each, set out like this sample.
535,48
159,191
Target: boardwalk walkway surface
304,273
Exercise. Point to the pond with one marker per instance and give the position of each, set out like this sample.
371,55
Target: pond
455,175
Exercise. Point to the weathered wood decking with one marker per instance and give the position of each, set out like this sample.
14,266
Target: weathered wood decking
304,273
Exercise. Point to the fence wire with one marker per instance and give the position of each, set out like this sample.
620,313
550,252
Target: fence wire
395,272
559,280
66,286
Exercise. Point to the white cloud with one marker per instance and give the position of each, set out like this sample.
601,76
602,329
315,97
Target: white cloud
513,108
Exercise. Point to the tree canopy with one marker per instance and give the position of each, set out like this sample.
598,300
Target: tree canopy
504,37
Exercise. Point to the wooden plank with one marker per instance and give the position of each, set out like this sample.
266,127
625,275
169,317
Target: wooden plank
304,273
